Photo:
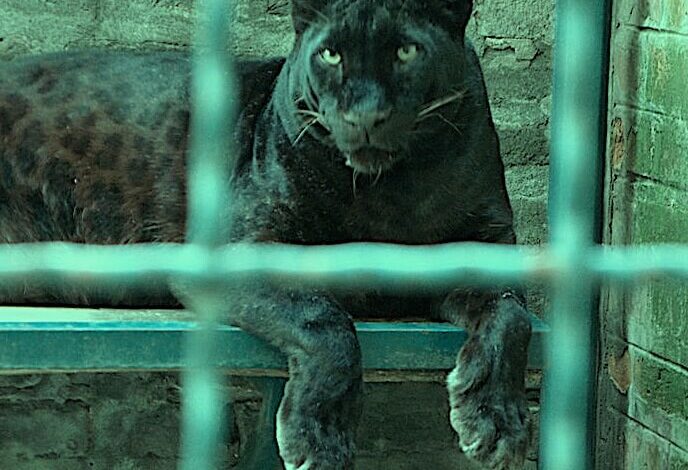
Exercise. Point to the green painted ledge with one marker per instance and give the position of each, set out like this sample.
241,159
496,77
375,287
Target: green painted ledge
64,339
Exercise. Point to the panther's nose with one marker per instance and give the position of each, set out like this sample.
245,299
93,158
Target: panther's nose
367,119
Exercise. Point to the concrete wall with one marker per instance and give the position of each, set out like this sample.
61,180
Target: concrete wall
643,384
88,421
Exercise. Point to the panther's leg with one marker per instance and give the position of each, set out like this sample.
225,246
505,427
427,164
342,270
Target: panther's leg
319,412
488,407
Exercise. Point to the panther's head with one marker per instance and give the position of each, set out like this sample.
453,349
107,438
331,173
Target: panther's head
372,76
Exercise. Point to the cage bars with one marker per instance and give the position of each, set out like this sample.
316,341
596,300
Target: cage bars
213,101
350,264
577,152
571,263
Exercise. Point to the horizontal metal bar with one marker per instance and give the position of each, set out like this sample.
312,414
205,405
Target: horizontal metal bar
347,264
240,259
628,263
50,339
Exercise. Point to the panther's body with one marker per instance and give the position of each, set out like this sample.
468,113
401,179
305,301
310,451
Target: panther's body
375,128
94,144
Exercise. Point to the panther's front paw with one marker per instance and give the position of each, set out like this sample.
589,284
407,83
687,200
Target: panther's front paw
305,454
305,444
489,411
304,464
315,462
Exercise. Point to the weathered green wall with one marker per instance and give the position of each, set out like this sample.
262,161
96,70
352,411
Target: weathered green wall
643,412
130,421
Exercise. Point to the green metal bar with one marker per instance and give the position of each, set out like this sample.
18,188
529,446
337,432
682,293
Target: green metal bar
49,339
213,100
421,266
576,155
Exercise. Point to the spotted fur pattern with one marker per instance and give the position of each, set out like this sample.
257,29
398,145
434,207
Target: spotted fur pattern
90,163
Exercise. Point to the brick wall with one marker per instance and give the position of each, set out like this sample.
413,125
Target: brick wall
643,385
91,420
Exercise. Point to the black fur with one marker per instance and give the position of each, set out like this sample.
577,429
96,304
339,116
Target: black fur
375,128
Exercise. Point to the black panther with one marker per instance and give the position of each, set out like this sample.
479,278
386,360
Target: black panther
375,128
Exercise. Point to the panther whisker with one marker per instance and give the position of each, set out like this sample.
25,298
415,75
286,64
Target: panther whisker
303,99
441,117
307,126
440,102
449,123
314,115
318,13
355,175
311,99
379,173
308,112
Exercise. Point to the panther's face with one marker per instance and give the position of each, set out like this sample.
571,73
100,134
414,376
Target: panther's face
372,76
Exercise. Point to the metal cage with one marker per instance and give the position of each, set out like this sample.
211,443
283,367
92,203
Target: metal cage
572,264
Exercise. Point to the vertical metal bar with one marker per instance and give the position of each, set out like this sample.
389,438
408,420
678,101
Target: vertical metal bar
580,73
213,100
213,104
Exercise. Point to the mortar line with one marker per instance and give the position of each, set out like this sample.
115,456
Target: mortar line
666,361
650,430
655,355
639,108
637,176
654,29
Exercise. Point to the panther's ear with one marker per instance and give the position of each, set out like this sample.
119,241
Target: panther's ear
459,11
306,12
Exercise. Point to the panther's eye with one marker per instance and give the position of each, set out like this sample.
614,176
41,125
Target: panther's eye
330,57
407,53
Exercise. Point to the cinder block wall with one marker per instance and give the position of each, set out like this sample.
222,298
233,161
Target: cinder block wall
130,421
643,383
